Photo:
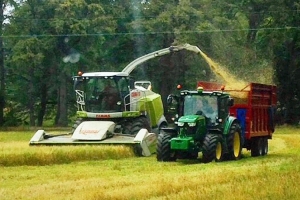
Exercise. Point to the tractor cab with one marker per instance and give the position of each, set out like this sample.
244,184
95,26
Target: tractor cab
201,105
212,105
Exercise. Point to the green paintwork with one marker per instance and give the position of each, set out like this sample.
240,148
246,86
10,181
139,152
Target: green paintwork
189,134
228,124
130,113
81,114
152,104
189,118
186,143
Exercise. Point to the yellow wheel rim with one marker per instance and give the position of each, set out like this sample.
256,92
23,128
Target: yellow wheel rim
236,144
219,151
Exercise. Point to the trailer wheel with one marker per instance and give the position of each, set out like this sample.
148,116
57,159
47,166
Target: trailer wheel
234,142
76,124
257,146
265,147
163,148
138,124
213,148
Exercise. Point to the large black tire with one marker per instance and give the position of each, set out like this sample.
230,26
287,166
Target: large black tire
234,142
76,124
213,148
265,146
257,146
162,125
163,148
137,149
127,126
138,124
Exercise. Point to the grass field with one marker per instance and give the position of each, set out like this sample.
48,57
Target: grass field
112,172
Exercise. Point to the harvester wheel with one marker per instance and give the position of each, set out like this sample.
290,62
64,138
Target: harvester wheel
257,147
138,124
213,148
163,148
76,124
137,149
127,127
234,142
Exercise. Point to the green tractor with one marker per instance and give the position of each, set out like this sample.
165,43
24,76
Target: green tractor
202,124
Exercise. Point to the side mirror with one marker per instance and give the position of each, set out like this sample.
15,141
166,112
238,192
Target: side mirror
230,102
199,112
170,99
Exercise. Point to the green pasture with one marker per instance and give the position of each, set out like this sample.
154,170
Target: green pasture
113,172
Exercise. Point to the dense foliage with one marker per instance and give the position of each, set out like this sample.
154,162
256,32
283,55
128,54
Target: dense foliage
45,43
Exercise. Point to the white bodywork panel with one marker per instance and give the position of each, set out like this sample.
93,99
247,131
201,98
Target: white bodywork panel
94,130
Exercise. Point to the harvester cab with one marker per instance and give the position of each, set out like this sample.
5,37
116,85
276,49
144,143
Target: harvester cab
112,96
102,93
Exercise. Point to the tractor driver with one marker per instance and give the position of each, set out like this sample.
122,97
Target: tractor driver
208,108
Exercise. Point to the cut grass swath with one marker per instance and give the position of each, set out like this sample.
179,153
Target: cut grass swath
20,153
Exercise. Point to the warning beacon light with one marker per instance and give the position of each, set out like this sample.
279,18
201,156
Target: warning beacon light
179,87
80,73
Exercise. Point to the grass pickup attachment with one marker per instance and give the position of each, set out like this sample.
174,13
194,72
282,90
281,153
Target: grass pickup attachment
99,133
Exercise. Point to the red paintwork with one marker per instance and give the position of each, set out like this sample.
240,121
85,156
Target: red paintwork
257,101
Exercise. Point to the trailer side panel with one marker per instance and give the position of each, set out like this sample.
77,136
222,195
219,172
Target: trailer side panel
255,107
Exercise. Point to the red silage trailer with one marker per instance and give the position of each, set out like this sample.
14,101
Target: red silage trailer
254,107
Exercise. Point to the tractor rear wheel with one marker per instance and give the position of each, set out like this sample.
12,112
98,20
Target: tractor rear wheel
213,148
257,147
138,124
163,148
234,142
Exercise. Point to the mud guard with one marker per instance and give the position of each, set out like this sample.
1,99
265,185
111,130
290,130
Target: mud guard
228,124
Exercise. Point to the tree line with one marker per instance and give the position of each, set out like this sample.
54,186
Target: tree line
45,43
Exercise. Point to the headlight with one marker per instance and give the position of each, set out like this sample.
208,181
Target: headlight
191,124
180,123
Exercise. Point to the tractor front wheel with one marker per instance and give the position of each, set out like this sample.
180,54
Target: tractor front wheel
163,148
213,148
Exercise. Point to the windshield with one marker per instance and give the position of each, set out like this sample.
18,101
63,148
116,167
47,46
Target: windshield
205,105
103,94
